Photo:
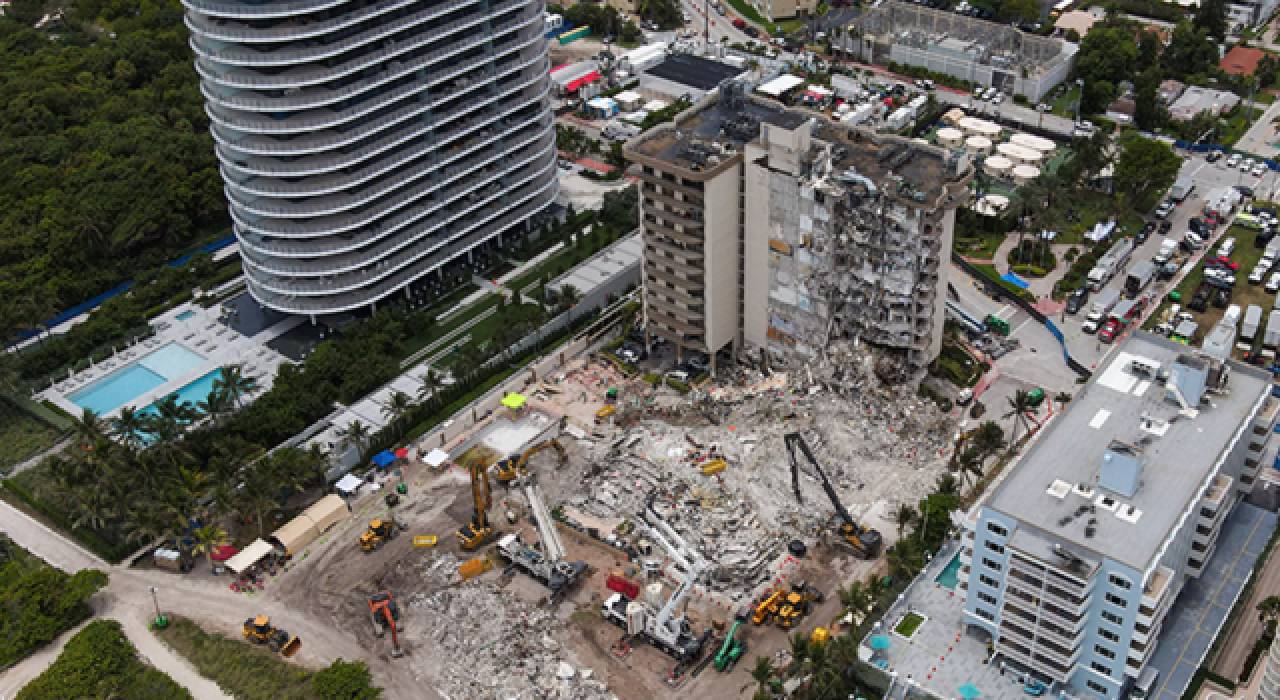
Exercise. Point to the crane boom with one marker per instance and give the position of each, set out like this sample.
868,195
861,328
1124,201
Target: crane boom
551,544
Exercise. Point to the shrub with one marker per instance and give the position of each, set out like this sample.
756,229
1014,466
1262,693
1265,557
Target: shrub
99,662
40,602
678,386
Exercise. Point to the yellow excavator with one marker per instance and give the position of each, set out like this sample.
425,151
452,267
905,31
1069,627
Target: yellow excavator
258,630
508,469
476,533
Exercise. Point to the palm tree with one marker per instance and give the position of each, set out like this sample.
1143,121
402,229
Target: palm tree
989,438
569,298
129,427
538,319
216,405
876,588
970,463
92,507
762,674
235,383
431,383
855,599
188,486
398,406
207,539
356,435
947,485
904,516
88,429
1019,404
799,651
146,522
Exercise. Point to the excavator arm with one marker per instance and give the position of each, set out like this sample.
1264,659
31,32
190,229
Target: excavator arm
864,538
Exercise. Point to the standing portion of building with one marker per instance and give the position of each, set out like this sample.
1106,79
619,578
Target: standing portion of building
777,230
365,145
1078,555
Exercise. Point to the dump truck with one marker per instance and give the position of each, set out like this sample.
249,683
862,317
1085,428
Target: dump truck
258,630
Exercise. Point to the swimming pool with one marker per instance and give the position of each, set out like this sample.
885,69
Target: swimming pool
193,393
136,378
184,315
950,575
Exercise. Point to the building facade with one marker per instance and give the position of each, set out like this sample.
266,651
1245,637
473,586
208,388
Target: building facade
775,231
1073,581
366,145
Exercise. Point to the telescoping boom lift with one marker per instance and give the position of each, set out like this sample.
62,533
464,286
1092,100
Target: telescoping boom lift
665,628
864,541
549,566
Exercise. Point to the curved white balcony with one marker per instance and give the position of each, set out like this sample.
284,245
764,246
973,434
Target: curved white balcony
232,31
266,57
268,10
305,76
322,119
470,220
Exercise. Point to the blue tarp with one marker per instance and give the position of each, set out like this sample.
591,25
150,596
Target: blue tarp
969,691
1014,280
384,458
879,641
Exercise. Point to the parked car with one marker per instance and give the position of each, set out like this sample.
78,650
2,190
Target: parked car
1109,331
1226,247
1258,274
1233,160
1259,170
1221,297
1273,284
1077,300
1213,156
1163,210
1165,227
1247,165
1193,239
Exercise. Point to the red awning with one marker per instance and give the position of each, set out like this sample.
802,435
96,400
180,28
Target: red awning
584,80
401,453
223,552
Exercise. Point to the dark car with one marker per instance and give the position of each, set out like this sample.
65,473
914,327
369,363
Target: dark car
1197,225
1077,300
1145,233
1213,156
752,32
1221,297
1165,227
1263,238
1245,190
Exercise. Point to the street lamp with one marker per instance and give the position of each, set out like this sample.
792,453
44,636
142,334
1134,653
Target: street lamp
161,621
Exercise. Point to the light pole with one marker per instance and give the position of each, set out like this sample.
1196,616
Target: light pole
161,621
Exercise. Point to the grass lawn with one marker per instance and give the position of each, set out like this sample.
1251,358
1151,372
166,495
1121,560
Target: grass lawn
22,436
1063,105
1243,294
749,13
1236,126
909,625
980,247
1094,208
243,671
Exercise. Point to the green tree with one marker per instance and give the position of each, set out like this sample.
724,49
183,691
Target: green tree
1191,51
989,438
99,662
903,517
1149,47
346,680
356,435
1211,18
207,539
762,673
1144,169
1149,114
232,381
1019,404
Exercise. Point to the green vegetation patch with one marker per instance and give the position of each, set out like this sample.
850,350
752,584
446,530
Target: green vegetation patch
39,602
909,624
99,662
22,435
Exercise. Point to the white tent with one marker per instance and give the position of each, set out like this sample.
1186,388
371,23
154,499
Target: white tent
348,484
780,84
436,458
248,556
327,511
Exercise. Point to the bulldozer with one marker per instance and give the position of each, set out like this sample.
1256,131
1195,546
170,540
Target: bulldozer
379,533
507,470
476,533
258,630
386,616
798,603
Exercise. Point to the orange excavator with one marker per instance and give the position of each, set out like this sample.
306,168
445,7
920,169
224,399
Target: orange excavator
386,615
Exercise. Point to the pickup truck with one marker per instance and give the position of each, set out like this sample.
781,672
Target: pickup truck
740,24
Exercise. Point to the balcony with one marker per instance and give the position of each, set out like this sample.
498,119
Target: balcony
266,11
689,284
661,244
685,330
656,302
690,238
655,179
672,217
651,195
238,32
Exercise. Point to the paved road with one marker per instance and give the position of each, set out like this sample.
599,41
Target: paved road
203,598
1231,657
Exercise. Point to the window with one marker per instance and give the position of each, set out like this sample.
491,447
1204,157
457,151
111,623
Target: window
994,566
987,598
1101,669
1108,634
998,549
1112,617
1097,687
997,529
988,581
1103,651
985,614
1121,582
1117,600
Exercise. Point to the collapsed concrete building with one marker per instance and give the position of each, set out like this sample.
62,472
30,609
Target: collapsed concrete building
780,230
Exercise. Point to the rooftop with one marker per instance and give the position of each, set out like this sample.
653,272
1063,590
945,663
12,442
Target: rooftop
1058,477
693,71
1078,20
1241,60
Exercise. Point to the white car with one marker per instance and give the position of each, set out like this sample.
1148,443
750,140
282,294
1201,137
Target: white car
1163,210
1193,239
1273,284
678,375
1233,160
1221,275
1258,273
1226,247
1247,165
997,99
1259,170
1089,326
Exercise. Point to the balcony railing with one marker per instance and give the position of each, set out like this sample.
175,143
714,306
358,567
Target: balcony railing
230,30
263,11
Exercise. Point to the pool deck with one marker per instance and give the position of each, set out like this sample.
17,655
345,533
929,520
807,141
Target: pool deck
202,333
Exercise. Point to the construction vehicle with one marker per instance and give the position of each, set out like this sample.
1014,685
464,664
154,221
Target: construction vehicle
379,533
733,648
476,533
386,616
548,566
714,466
798,603
768,607
507,470
863,541
666,629
258,630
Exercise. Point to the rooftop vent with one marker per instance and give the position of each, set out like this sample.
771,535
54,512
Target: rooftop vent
1059,489
1121,469
1129,514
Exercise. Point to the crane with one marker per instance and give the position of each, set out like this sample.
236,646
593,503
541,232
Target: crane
477,532
386,615
508,469
549,566
864,541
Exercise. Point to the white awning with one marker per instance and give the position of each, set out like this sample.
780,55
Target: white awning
436,458
348,483
248,556
780,84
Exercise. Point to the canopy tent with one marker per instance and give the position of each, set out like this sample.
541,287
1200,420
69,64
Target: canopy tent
327,511
514,400
1015,280
295,534
584,80
348,484
880,642
436,457
383,458
969,691
249,556
1101,230
402,453
222,552
780,84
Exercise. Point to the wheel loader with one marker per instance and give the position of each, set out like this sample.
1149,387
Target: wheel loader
258,630
798,603
379,533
